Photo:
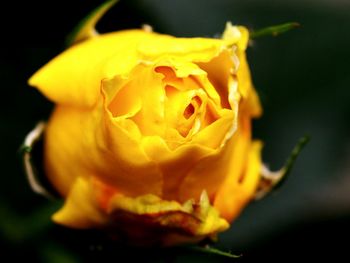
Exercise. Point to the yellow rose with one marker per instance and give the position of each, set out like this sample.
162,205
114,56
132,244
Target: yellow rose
150,138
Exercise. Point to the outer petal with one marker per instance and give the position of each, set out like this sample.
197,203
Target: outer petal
144,220
213,171
62,134
80,209
176,164
210,172
236,192
219,70
149,220
238,35
207,174
246,88
82,143
188,49
74,76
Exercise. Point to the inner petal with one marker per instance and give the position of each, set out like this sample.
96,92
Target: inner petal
211,114
169,76
188,112
125,102
136,102
186,106
219,70
181,108
191,108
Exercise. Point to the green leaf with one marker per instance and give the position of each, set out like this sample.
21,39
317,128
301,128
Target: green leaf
55,252
213,251
272,180
17,228
274,30
86,28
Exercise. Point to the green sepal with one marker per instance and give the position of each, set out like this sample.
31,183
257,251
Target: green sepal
272,180
273,30
86,28
213,251
26,151
288,166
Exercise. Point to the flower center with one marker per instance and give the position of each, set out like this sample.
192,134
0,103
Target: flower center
188,112
164,101
186,107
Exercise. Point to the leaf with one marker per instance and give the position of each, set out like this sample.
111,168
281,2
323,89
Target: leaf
86,28
55,252
26,152
274,30
17,228
213,251
272,180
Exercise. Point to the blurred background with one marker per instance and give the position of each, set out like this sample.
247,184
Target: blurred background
302,78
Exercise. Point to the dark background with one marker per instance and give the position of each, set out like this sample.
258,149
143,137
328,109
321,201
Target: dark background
303,81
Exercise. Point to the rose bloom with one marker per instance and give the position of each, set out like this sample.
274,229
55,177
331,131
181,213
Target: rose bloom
150,138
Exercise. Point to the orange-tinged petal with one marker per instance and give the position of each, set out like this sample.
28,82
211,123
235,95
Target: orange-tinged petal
236,192
81,143
80,209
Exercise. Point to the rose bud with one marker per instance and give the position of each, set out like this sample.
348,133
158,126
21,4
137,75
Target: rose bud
150,138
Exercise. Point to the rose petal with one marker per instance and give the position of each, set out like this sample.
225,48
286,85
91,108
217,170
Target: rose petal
80,209
211,172
219,70
149,220
239,187
238,35
188,49
174,164
214,135
80,143
75,75
246,87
